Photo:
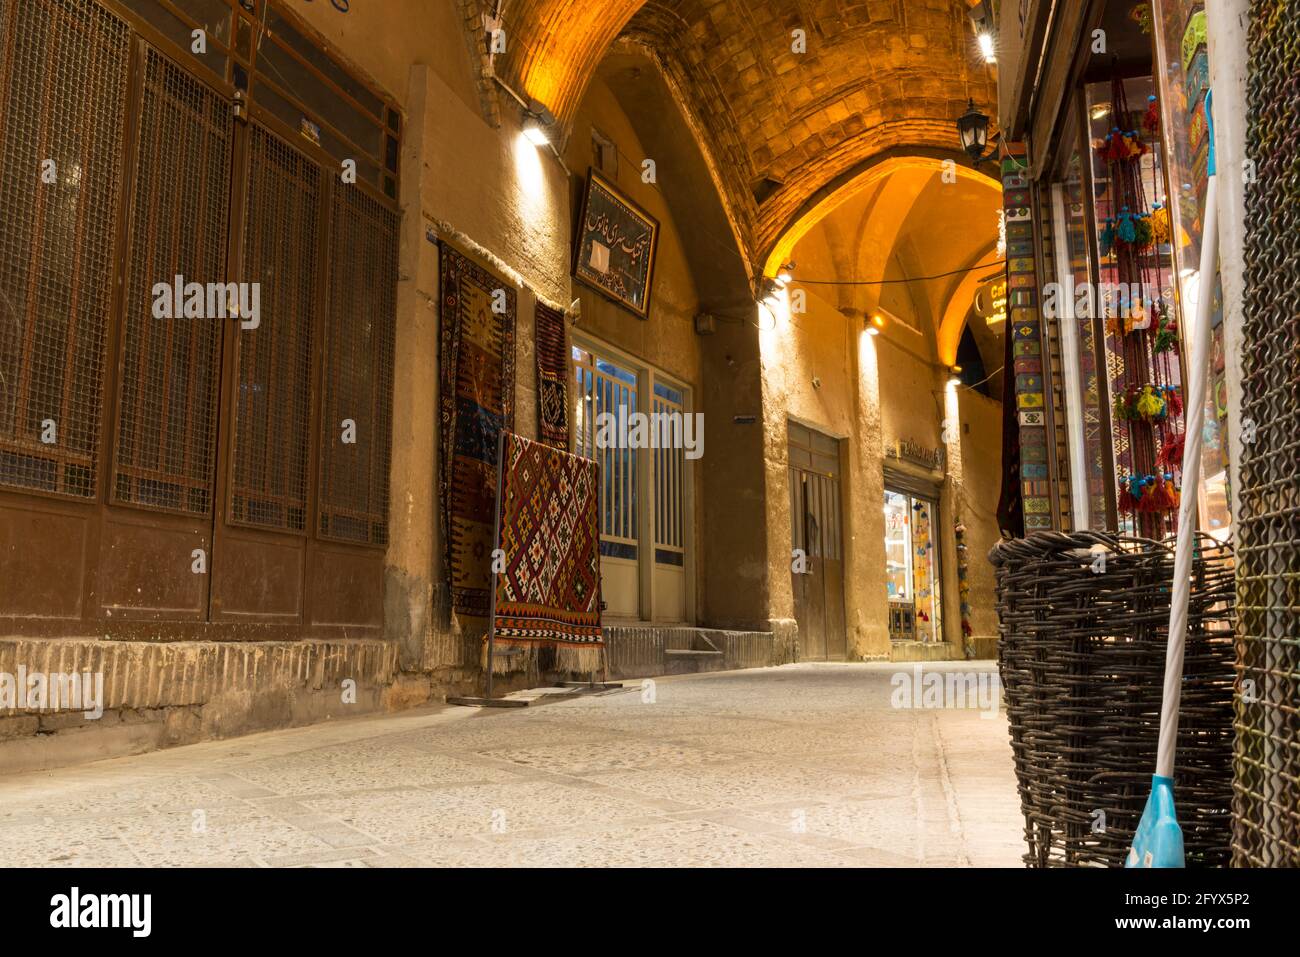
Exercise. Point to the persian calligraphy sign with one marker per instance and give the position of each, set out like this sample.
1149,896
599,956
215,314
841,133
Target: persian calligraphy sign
615,249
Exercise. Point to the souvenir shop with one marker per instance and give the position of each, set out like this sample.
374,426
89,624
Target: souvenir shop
1104,194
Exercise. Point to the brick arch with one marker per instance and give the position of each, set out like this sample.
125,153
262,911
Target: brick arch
554,46
875,78
785,233
781,125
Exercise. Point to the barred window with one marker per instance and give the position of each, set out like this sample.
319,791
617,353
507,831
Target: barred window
168,394
274,360
63,80
356,424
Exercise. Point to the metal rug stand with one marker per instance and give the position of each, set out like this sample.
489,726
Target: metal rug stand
578,688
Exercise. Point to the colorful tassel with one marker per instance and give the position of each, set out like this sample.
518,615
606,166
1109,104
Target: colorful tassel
1152,119
1166,335
1144,231
1108,238
1125,232
1160,233
1171,453
1173,401
1150,405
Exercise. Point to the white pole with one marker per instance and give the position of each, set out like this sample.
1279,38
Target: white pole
1185,544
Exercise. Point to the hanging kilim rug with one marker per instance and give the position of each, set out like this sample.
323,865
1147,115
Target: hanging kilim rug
548,596
552,378
477,363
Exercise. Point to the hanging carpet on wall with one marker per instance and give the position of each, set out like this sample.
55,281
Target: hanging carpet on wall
548,595
476,359
552,378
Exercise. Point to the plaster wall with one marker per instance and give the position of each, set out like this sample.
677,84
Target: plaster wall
820,368
497,198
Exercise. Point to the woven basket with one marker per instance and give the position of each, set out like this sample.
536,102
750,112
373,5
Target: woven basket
1081,651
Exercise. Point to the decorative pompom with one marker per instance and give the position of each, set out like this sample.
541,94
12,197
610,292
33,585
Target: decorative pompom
1152,119
1160,224
1126,232
1166,335
1173,401
1144,231
1171,453
1150,405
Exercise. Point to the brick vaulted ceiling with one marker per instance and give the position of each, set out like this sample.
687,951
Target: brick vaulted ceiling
878,76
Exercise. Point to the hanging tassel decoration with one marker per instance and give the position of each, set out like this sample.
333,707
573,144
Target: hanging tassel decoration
1166,335
1149,404
1171,453
1128,502
1126,232
1160,224
1152,119
1147,501
1145,234
1108,238
1173,400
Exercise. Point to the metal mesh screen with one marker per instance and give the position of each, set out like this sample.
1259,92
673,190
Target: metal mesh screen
273,362
168,395
63,79
1266,804
358,374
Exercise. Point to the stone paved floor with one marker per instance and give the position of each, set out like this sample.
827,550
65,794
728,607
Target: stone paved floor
806,765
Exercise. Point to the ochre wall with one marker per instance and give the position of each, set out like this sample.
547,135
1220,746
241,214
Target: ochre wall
822,369
478,187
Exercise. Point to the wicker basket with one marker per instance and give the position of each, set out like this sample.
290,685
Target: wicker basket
1081,649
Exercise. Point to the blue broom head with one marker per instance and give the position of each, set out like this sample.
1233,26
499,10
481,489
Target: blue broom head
1159,840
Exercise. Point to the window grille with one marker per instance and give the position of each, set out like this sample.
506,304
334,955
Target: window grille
63,81
170,367
606,387
358,379
669,475
272,432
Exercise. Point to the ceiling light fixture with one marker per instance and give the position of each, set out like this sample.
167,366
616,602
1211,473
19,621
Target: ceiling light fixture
981,16
769,293
538,124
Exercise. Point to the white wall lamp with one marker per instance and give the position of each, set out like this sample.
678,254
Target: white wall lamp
539,124
981,15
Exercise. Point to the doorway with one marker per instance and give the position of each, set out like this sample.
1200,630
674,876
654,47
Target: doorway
912,567
817,546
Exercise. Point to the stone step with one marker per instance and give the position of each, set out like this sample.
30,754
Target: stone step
690,661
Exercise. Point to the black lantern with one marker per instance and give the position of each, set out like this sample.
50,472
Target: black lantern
973,128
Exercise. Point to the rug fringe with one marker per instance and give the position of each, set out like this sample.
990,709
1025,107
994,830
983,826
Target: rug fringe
541,658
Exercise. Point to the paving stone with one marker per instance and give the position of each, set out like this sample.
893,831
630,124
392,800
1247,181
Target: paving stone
800,766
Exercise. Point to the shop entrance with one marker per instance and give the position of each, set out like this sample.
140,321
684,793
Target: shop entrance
817,566
912,567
